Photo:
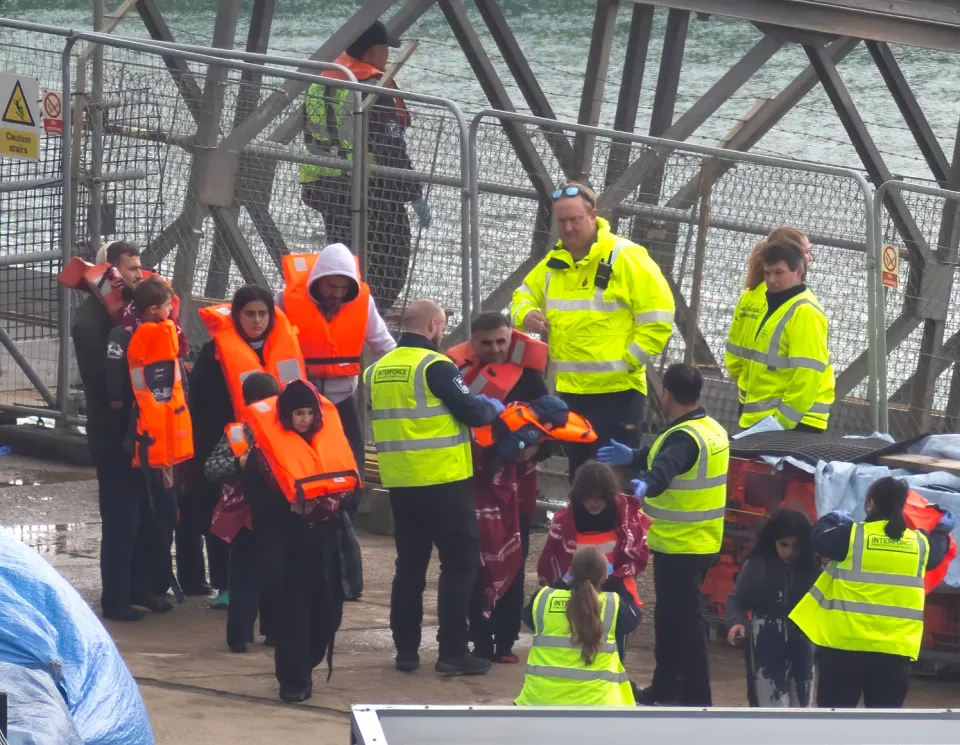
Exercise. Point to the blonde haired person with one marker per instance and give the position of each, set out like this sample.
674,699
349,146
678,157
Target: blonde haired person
785,234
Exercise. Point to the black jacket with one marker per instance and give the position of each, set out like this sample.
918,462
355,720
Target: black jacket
209,402
446,383
677,455
106,428
768,588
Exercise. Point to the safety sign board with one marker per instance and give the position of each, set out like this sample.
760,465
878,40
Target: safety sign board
20,120
890,267
53,113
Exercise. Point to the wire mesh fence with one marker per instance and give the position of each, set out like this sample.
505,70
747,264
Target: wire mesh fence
748,200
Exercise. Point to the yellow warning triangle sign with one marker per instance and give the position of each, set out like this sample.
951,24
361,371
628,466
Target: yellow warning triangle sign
17,110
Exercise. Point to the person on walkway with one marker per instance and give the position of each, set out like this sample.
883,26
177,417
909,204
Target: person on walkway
683,488
232,523
865,612
335,315
574,659
509,366
781,568
328,132
421,412
120,486
606,310
250,334
778,347
295,480
600,516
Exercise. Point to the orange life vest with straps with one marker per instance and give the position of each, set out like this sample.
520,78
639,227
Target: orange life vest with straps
331,349
364,72
236,438
164,428
606,544
497,381
323,467
281,352
921,514
103,281
515,416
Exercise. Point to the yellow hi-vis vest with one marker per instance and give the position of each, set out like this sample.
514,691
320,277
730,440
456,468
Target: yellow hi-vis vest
328,130
609,313
750,309
688,517
872,601
786,364
419,442
556,673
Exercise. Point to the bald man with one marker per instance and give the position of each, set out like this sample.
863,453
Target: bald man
422,412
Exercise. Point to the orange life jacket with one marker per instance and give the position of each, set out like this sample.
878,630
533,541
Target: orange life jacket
515,416
331,349
304,471
364,72
497,381
103,281
606,543
923,515
236,438
164,428
281,352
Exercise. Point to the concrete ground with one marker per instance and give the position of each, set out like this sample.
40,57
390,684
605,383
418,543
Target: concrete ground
197,691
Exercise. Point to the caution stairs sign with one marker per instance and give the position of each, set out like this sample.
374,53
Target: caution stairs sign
20,121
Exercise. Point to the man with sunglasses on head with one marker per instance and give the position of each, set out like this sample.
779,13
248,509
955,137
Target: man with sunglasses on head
606,310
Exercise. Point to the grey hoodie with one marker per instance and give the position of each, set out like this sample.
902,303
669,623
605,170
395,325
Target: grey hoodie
337,259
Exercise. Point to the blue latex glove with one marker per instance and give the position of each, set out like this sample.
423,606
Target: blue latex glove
639,488
422,209
615,454
947,523
497,405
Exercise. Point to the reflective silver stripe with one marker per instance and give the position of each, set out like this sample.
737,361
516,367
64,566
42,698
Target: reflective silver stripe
236,433
136,379
857,559
653,316
562,642
525,288
516,356
869,609
701,481
562,366
876,578
478,384
640,353
428,443
542,610
422,410
542,640
288,370
806,363
756,407
683,516
818,408
299,263
694,484
569,673
789,413
738,351
590,304
615,253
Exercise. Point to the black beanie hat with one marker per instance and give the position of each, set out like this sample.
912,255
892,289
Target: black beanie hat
297,394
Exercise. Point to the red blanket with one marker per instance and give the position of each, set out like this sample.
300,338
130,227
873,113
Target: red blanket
231,514
498,519
632,550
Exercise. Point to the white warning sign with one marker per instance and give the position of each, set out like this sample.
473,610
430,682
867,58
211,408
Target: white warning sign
19,116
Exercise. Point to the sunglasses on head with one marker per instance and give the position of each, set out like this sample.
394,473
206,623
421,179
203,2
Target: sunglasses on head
572,191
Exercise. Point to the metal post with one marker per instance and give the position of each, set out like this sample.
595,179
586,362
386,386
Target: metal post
95,210
66,237
706,194
595,81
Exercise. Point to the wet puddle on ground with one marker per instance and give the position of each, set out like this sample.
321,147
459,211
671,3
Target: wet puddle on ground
64,538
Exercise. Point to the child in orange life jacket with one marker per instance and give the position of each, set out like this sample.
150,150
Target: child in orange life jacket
600,516
232,523
152,301
300,546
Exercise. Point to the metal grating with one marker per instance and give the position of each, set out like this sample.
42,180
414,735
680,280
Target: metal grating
812,447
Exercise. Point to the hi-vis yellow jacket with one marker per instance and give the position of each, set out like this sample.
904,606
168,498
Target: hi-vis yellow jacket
782,362
601,338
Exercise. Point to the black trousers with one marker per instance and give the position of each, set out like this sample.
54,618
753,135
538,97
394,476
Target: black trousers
350,419
426,516
843,677
502,629
193,530
617,416
161,519
246,590
301,569
682,673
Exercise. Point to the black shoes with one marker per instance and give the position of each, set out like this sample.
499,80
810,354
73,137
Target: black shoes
295,695
154,603
465,665
123,613
408,662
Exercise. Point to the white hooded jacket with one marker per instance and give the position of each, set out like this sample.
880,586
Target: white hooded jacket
337,259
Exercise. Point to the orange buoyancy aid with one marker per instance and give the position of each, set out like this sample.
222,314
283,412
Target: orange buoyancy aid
103,281
281,352
498,380
164,428
236,438
606,543
331,349
518,415
921,514
364,72
323,467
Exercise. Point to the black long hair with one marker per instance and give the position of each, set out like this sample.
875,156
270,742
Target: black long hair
889,497
246,295
787,524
